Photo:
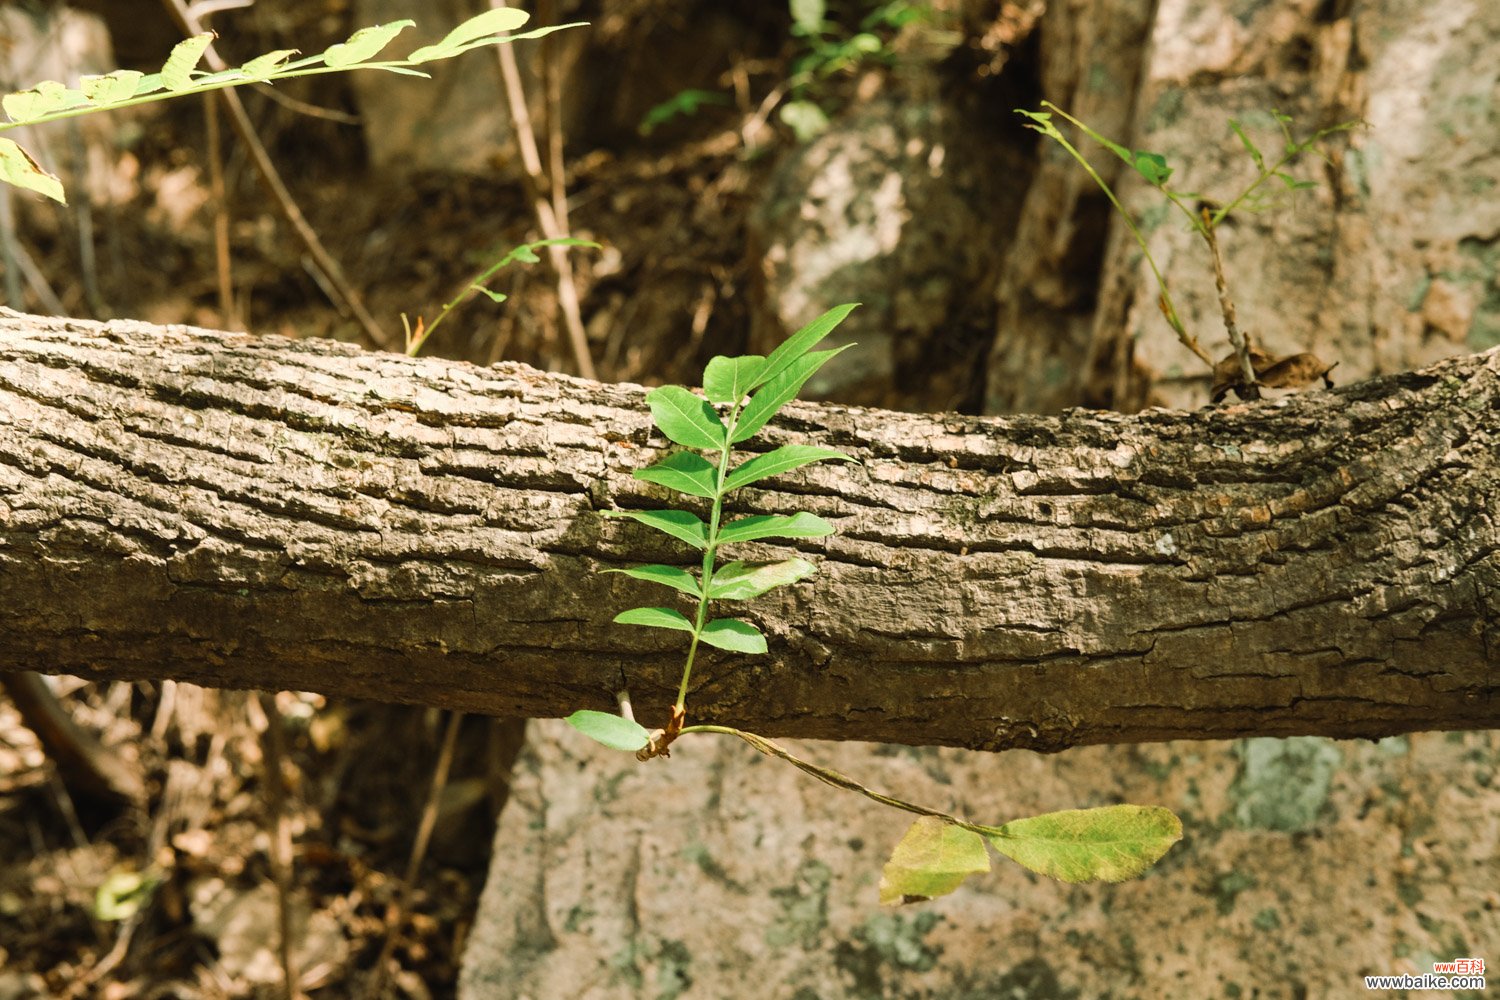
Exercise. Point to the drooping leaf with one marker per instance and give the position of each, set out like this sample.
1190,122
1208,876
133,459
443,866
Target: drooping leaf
687,419
932,859
111,88
727,380
686,472
734,635
799,525
801,342
783,459
18,168
1108,844
363,45
776,393
614,731
655,618
475,29
677,523
671,576
177,72
737,581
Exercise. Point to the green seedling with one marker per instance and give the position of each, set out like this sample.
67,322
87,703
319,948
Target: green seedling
740,396
50,100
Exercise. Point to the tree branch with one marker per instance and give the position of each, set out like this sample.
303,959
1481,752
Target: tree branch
257,512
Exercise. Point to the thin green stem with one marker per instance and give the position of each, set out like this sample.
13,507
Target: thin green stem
839,780
707,576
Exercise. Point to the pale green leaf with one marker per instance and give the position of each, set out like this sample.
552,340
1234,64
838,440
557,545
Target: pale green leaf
614,731
799,525
476,28
737,581
264,67
18,168
655,618
677,523
1107,844
111,88
932,859
686,472
177,73
781,390
806,120
45,98
671,576
733,635
687,419
808,15
123,893
727,380
364,44
783,459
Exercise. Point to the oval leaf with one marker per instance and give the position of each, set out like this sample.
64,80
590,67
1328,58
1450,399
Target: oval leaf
677,523
264,67
685,418
363,44
799,525
655,618
686,472
177,73
1108,844
670,576
615,732
737,581
111,88
933,859
803,341
779,391
18,168
727,380
476,28
783,459
734,635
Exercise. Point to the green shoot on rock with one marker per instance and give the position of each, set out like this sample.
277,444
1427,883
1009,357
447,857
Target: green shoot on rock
179,76
740,395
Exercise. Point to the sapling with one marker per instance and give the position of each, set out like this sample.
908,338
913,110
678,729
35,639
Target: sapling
740,395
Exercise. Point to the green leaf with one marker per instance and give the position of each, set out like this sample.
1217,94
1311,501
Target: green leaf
733,635
1152,166
932,859
476,29
614,731
123,893
671,576
799,525
783,459
655,618
802,341
45,98
727,380
806,120
111,88
687,419
1108,844
364,44
264,67
677,523
177,73
1250,147
18,168
779,391
737,581
686,472
808,15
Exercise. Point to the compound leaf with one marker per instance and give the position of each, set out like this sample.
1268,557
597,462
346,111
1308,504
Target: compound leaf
655,618
677,523
670,576
733,635
614,731
932,859
783,459
1107,844
686,472
799,525
727,380
737,581
775,394
687,419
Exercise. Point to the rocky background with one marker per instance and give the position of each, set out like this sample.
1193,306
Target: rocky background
995,279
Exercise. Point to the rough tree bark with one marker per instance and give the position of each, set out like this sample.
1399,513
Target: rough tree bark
257,512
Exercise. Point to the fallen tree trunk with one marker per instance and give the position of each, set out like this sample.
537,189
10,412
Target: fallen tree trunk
256,512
